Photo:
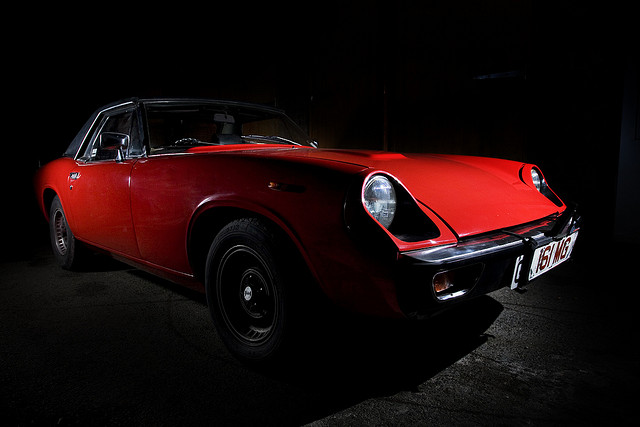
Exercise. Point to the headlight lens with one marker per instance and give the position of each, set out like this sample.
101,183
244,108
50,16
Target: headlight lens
379,198
536,176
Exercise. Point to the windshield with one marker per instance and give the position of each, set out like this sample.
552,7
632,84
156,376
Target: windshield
174,128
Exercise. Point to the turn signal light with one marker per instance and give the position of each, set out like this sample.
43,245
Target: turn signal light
442,282
457,282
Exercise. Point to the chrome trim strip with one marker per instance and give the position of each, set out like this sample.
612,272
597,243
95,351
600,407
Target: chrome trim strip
449,254
501,241
453,295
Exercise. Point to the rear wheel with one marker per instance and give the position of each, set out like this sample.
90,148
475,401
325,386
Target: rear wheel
66,248
249,290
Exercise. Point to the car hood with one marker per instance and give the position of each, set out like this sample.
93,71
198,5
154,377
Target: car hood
471,194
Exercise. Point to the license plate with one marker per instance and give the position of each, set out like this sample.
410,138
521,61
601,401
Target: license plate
545,258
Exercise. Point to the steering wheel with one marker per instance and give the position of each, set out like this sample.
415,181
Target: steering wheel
187,141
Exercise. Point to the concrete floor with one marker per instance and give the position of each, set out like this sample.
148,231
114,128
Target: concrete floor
112,345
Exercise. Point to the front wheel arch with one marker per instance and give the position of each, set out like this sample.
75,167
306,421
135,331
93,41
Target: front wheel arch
207,223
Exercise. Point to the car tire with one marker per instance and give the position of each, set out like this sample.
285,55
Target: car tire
66,248
249,291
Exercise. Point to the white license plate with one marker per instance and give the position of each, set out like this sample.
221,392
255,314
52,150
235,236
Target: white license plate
546,257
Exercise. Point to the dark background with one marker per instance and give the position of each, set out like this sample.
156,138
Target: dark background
523,80
552,83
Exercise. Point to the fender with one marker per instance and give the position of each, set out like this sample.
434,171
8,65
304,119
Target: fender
238,205
54,176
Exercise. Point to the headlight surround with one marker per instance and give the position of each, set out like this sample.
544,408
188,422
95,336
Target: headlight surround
538,180
378,201
379,198
532,176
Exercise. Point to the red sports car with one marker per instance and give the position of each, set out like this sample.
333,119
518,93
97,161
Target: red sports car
234,199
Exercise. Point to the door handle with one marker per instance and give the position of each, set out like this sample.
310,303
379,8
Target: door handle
72,177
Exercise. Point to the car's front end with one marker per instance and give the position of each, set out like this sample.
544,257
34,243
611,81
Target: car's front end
431,277
437,230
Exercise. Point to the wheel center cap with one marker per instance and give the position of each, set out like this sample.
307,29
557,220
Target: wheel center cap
248,293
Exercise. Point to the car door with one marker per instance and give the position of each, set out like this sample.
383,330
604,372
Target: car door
99,184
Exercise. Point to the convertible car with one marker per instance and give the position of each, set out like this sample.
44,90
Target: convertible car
233,199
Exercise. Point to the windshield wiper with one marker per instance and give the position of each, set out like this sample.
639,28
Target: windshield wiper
271,138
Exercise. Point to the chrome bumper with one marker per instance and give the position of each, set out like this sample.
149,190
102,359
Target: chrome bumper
494,253
515,239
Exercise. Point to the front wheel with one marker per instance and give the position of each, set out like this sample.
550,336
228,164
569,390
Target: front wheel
249,290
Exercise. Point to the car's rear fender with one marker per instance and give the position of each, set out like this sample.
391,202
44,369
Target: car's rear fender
52,180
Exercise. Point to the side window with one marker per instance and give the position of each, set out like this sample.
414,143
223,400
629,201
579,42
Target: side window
124,123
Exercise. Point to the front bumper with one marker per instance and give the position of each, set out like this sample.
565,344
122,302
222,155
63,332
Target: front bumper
475,266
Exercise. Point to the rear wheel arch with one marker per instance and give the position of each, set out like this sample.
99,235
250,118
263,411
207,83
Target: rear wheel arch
47,199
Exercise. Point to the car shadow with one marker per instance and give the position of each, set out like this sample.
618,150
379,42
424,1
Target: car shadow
98,262
351,358
357,358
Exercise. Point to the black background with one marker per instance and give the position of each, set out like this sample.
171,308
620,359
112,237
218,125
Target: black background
529,81
402,76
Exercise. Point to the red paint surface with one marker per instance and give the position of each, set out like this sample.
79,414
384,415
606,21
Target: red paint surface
143,210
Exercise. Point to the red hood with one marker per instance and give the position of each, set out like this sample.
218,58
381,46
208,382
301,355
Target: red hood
472,194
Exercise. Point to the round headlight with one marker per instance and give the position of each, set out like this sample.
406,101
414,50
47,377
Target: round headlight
379,198
536,176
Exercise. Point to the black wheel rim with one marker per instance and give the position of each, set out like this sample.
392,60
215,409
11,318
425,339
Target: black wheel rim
246,296
61,234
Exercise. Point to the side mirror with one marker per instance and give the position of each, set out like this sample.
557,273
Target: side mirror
114,141
110,141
